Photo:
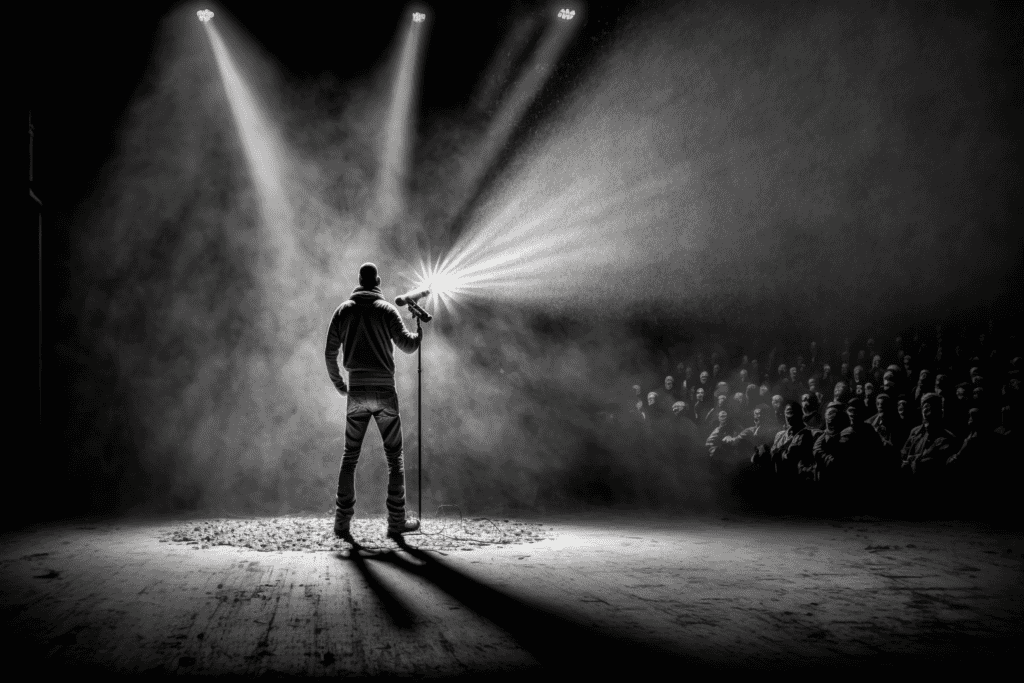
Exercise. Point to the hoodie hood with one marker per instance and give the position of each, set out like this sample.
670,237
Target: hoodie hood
365,295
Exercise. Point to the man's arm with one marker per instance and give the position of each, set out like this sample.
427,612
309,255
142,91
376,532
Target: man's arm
403,338
331,353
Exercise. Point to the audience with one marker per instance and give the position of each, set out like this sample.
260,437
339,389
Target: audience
909,422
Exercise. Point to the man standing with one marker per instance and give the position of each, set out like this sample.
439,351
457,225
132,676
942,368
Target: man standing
367,328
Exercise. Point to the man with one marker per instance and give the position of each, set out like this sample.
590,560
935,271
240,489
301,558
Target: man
792,451
828,451
812,418
366,328
887,424
793,387
929,444
761,433
812,388
778,410
720,442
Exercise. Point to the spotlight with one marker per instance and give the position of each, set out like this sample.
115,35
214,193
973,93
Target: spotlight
566,14
418,17
204,15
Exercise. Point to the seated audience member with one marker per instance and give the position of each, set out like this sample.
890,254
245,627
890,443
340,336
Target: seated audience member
684,429
869,396
722,389
673,392
811,417
778,410
887,424
889,383
828,380
793,388
764,393
761,433
859,376
929,444
704,382
863,447
711,417
720,442
793,448
744,377
877,371
924,385
812,388
827,450
701,406
841,392
978,453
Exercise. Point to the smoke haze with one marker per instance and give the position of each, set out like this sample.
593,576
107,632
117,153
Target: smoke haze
717,161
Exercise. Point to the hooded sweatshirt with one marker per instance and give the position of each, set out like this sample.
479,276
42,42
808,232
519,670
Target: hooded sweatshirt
368,328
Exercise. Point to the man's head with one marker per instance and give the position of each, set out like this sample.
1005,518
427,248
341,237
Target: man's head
764,390
835,414
777,402
903,407
669,382
723,416
812,385
720,400
961,391
858,374
931,408
922,377
839,392
782,370
876,362
652,398
844,370
888,382
941,383
974,419
700,395
743,375
680,408
907,362
805,403
368,276
869,392
826,370
792,374
854,411
704,376
758,414
882,403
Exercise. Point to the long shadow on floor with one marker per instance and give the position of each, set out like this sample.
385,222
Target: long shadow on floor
553,638
401,614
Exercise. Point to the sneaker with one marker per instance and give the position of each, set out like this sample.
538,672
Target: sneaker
342,531
405,527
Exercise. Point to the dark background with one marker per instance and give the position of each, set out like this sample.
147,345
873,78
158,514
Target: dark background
89,62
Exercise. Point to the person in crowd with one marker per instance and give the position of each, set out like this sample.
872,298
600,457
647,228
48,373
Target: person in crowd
722,389
761,433
978,453
844,373
793,388
704,382
877,371
716,373
827,452
863,448
720,443
673,392
781,378
738,410
924,385
813,388
688,384
828,380
778,409
841,392
889,383
908,416
887,424
764,393
701,406
711,417
859,376
684,430
942,386
793,448
869,396
811,416
929,444
751,396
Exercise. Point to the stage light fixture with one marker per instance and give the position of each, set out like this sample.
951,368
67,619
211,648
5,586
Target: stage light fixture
566,14
418,17
204,15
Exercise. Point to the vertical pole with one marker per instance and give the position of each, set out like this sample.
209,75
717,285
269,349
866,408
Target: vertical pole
419,423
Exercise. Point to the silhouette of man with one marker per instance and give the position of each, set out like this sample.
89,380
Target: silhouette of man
367,328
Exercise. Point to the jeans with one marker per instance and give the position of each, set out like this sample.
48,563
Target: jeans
382,404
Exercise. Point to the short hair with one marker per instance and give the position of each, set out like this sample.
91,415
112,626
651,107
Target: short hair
931,397
368,275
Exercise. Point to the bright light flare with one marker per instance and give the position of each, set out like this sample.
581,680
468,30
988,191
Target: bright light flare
204,15
566,14
419,17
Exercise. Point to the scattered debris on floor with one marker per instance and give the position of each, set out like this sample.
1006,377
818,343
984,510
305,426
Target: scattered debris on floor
313,534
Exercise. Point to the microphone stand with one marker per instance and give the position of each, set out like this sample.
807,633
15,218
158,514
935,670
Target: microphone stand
419,423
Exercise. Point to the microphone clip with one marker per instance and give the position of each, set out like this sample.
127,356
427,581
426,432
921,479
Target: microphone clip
418,312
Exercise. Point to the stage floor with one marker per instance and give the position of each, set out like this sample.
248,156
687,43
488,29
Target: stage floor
595,593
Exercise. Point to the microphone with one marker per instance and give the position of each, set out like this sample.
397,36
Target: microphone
412,297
